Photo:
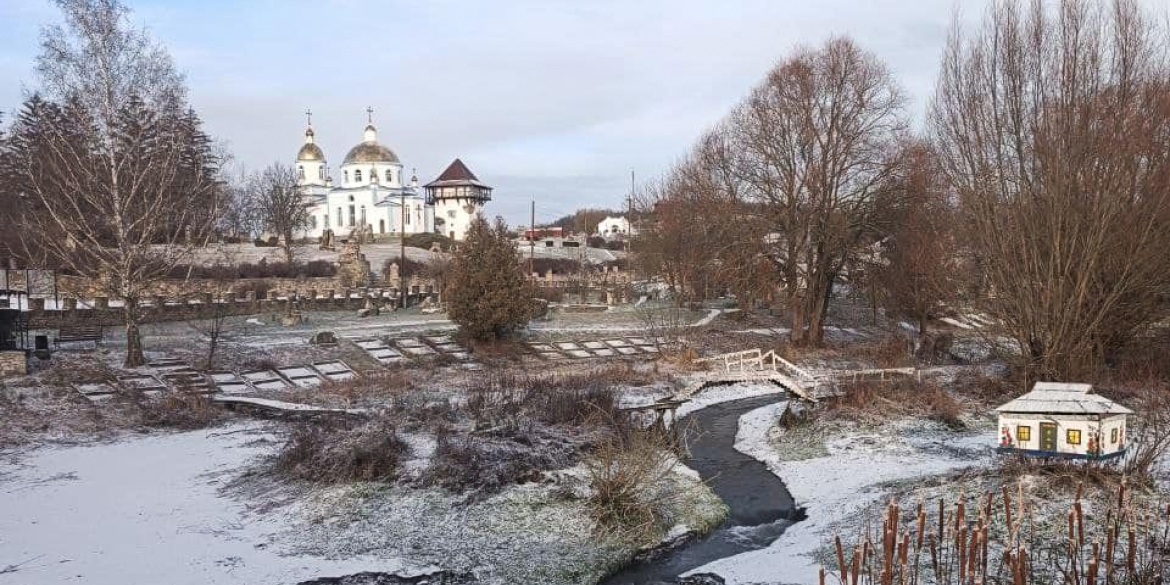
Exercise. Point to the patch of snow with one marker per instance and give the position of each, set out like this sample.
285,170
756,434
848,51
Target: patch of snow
149,510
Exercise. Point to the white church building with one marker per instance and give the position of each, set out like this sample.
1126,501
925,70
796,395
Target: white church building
373,194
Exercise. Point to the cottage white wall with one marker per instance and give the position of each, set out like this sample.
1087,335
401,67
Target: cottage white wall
1107,426
1087,425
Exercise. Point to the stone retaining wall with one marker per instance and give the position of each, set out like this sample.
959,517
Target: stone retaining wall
206,305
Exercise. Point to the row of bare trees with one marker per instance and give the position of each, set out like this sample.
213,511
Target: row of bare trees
107,170
1040,194
1053,128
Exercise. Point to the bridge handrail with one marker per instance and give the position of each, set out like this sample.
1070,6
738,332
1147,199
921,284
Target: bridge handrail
799,371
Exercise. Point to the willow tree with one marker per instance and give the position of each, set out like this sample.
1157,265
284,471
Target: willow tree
122,187
1053,126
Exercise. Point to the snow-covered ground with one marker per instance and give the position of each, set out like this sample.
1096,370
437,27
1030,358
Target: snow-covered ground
149,510
833,487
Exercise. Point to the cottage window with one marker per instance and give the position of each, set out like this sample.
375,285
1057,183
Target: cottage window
1073,437
1113,436
1023,433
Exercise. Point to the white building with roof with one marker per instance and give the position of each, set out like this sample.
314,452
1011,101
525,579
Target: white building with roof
1065,421
374,196
615,227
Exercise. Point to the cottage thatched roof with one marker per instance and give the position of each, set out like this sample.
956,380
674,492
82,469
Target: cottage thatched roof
1056,398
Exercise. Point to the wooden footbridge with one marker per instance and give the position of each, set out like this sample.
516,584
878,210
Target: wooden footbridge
754,365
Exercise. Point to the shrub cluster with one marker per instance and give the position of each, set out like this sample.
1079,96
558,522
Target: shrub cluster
340,452
906,397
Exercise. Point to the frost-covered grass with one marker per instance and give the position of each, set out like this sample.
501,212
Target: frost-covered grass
531,533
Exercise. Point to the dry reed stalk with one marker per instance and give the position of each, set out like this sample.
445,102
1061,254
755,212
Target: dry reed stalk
1007,512
930,540
841,557
1080,522
1130,556
856,566
961,547
1091,574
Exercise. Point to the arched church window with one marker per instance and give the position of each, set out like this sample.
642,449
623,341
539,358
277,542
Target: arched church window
301,171
381,226
346,173
357,176
389,176
321,173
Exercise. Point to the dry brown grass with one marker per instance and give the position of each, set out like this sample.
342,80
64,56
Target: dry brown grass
881,401
629,475
340,452
892,351
387,385
176,410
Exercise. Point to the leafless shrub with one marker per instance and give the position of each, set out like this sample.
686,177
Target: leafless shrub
629,473
892,351
339,452
876,401
577,399
486,463
179,410
1149,435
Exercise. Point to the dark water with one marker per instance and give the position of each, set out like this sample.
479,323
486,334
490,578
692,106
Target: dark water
760,506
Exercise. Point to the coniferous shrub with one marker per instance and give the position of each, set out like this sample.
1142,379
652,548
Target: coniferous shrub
488,294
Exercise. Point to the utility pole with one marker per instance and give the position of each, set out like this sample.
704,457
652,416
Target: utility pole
402,246
532,241
630,215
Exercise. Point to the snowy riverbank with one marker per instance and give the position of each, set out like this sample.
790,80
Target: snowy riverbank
834,487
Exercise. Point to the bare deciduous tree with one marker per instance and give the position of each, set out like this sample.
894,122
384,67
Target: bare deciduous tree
1054,128
280,205
122,187
816,141
918,269
782,191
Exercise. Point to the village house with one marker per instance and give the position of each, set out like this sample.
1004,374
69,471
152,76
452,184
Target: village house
614,227
1063,420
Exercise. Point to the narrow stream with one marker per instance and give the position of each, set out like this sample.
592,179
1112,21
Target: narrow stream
760,506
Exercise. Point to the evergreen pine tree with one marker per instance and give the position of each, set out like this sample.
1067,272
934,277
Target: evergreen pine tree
488,295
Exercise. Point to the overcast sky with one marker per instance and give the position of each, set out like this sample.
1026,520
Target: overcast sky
541,98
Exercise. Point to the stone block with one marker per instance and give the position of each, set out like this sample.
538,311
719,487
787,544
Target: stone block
13,363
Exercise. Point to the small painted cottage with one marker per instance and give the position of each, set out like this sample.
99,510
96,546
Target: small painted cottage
1063,420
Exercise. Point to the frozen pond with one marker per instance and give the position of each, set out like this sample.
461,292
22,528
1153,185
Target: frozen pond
147,509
